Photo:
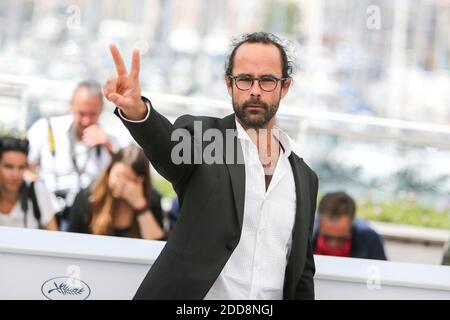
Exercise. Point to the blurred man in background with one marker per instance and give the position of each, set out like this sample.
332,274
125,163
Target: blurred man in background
338,233
69,152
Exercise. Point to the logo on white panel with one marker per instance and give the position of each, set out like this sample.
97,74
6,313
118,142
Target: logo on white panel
65,288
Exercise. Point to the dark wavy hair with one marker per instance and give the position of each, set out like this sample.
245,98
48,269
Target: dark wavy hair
8,143
287,66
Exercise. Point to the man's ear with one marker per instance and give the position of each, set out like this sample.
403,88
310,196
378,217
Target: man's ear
229,84
71,107
285,85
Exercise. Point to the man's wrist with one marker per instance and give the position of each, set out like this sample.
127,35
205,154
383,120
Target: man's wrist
141,115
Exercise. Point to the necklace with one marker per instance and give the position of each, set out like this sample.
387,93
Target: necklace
267,160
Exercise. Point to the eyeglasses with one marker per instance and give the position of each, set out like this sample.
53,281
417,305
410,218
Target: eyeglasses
266,83
329,238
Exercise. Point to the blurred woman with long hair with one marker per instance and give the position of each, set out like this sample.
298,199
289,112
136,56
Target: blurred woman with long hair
122,202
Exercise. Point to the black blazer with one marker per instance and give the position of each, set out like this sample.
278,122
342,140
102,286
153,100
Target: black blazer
211,212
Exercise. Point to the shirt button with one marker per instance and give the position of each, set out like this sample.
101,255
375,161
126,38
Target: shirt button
229,246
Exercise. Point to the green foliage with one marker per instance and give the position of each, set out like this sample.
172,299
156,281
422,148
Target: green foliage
164,187
400,210
403,211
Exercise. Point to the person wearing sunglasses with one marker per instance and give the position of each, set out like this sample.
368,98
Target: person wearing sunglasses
338,233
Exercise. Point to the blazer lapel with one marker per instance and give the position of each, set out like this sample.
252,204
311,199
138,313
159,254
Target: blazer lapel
236,168
302,215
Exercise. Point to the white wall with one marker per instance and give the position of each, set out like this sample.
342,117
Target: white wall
33,262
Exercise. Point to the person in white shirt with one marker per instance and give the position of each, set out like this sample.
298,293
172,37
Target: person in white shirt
245,225
69,152
22,204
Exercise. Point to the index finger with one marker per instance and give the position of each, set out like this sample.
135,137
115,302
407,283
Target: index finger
118,61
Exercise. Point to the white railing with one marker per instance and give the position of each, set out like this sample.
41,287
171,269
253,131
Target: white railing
308,117
34,262
307,113
308,120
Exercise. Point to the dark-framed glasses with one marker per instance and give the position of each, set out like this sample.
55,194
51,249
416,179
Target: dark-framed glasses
266,83
338,239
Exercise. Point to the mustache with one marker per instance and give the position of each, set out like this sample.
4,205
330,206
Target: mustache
255,101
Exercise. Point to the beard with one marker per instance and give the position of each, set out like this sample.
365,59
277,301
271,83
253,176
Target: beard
258,118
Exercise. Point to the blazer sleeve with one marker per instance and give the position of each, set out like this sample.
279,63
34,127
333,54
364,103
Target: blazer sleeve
155,206
305,284
154,135
377,247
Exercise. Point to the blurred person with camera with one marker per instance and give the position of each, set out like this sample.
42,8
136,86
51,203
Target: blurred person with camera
22,203
338,233
68,152
122,202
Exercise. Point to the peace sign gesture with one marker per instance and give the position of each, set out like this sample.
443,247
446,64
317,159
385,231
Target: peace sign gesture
124,90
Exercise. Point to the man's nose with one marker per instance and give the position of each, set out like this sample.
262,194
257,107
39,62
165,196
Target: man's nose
87,121
17,174
255,89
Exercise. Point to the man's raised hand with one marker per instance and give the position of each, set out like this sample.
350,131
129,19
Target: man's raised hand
124,89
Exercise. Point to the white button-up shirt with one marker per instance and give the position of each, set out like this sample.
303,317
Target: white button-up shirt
257,266
17,218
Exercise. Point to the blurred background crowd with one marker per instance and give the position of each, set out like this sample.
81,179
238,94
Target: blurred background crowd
369,108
